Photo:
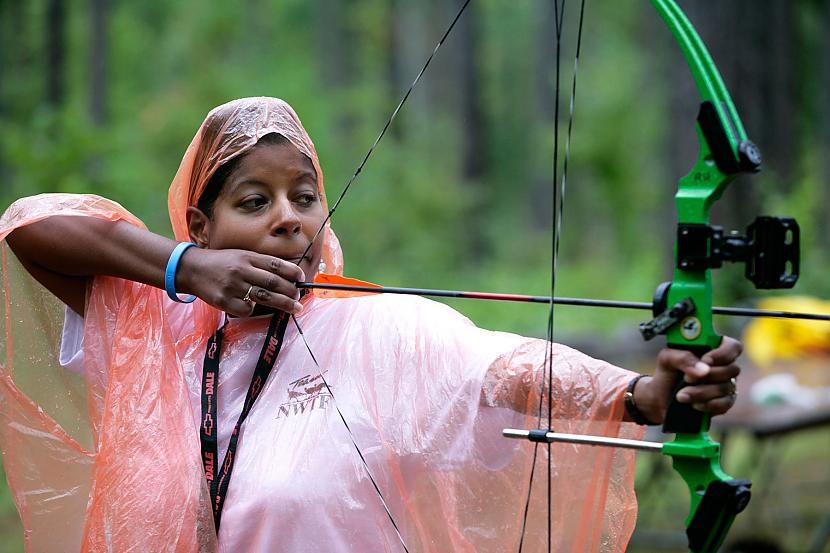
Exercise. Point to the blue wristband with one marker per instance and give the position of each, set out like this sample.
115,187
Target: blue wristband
170,273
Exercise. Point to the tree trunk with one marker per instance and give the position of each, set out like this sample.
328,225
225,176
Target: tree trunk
395,79
472,117
338,44
18,57
753,47
545,102
472,122
823,223
335,42
761,69
419,34
98,61
56,49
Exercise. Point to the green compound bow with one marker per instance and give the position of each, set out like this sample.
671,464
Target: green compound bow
683,307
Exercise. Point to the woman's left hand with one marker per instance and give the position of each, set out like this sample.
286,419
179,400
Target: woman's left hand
711,381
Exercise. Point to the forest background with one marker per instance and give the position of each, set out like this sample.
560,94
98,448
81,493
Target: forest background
103,96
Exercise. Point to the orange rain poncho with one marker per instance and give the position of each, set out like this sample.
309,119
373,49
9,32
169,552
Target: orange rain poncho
106,456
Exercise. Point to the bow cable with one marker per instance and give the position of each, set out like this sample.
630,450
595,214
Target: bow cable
557,212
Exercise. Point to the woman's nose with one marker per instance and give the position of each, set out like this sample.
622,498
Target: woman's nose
285,221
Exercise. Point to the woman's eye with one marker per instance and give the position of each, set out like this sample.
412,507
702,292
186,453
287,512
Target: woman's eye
307,199
252,202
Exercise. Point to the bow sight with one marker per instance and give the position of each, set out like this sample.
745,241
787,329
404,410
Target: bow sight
770,250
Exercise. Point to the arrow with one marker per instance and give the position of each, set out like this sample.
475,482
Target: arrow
342,284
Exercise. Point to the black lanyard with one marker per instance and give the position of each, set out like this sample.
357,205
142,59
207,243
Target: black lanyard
218,483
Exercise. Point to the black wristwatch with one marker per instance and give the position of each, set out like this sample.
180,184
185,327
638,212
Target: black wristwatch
631,405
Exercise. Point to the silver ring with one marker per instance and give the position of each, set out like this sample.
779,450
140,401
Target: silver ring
734,382
247,298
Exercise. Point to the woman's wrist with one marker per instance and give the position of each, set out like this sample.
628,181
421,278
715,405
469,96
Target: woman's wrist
172,270
640,404
188,271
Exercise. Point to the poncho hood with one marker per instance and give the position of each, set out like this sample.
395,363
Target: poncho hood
229,131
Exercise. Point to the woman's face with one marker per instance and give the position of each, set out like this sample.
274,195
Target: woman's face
269,204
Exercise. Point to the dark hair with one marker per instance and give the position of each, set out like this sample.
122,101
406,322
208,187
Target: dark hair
217,181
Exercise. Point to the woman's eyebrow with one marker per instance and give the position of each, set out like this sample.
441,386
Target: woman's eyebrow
234,186
305,174
299,175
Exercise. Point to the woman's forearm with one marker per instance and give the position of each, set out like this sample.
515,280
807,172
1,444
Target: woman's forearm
63,252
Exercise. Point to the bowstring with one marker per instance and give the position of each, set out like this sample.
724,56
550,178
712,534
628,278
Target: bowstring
351,437
317,235
557,212
386,127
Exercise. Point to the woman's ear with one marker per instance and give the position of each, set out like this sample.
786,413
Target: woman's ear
198,226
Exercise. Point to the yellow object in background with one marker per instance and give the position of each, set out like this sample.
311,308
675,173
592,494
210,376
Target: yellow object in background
772,341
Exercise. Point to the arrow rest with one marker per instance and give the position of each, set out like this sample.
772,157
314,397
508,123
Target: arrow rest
664,318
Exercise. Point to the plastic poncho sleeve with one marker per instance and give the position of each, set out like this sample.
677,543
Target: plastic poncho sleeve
83,455
439,391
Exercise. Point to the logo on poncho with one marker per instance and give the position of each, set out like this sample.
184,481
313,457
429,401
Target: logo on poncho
305,394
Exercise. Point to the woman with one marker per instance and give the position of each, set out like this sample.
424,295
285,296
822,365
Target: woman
182,396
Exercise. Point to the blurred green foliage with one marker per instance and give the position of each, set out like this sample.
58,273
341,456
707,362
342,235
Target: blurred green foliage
412,217
11,533
415,216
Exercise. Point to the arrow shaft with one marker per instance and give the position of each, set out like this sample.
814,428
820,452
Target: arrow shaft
583,302
583,439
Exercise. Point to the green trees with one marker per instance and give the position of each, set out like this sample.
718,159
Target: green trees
104,97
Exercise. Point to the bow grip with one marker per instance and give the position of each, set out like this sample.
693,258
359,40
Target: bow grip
682,417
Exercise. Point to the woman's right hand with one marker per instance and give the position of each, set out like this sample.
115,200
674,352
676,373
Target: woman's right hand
223,278
63,252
